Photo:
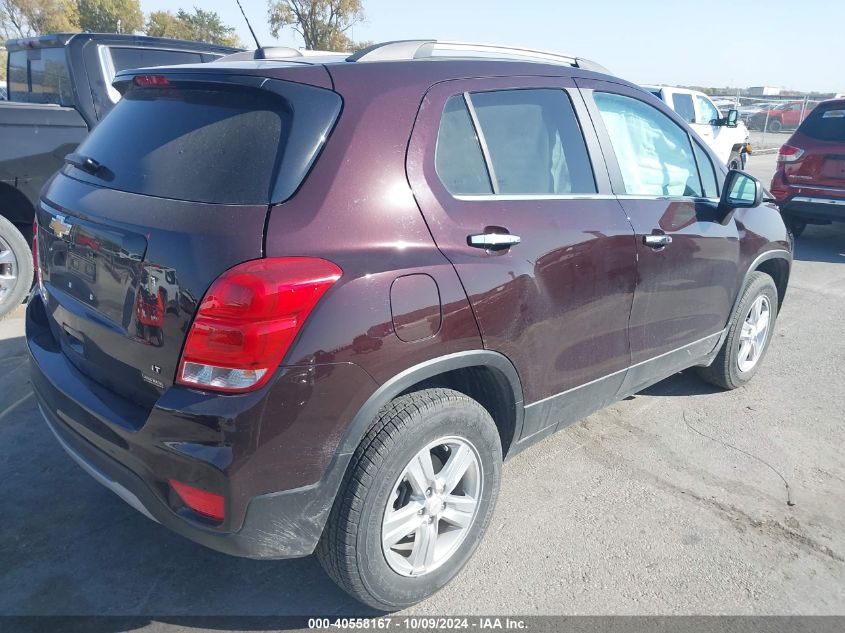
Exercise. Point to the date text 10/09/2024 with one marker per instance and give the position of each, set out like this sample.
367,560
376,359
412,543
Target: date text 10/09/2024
416,623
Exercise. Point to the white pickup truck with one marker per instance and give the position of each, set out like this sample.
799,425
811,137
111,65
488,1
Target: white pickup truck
727,136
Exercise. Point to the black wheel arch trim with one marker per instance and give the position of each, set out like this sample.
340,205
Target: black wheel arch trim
424,371
762,257
327,488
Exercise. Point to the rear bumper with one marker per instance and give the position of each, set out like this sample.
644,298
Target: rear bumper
283,525
137,463
815,207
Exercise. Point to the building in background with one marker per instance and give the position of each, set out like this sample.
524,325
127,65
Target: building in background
764,91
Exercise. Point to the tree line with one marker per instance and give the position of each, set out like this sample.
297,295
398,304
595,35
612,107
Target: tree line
322,24
27,18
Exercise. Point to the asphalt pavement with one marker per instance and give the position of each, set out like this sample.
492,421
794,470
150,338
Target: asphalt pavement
672,502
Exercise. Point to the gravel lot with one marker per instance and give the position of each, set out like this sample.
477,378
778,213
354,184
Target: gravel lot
672,502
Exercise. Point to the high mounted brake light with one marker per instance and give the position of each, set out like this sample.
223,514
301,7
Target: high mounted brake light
151,80
248,319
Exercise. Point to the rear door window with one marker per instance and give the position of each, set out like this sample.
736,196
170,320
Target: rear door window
825,124
534,141
458,158
207,143
525,141
682,104
126,58
707,112
40,75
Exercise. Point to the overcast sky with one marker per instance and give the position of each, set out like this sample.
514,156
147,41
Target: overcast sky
796,44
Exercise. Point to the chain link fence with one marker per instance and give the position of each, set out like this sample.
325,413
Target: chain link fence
770,119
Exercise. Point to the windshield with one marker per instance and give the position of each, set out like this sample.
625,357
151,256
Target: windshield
40,75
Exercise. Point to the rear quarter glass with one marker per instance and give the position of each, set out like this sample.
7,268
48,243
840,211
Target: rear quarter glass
208,142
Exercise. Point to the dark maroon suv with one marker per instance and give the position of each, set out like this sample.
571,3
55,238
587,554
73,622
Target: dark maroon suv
310,304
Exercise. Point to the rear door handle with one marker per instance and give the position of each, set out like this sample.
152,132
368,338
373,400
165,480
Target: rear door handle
657,241
493,240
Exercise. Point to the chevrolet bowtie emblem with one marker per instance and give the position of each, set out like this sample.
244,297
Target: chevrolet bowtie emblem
59,227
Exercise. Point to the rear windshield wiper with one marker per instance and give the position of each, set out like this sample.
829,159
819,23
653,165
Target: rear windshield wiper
85,163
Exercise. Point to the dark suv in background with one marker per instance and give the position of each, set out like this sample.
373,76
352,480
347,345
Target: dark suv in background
310,304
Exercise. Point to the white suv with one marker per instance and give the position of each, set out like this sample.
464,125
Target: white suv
727,136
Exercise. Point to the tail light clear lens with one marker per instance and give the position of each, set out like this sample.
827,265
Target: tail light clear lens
789,154
248,319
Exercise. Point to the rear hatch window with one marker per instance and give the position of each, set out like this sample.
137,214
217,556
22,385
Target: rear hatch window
211,143
825,124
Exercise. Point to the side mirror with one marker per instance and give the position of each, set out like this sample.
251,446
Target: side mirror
741,191
732,118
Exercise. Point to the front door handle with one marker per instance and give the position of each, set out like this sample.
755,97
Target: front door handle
493,240
657,241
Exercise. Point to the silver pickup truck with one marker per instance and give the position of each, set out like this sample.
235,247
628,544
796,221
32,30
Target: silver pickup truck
59,88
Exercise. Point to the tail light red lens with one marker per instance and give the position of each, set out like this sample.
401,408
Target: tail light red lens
248,319
208,504
789,154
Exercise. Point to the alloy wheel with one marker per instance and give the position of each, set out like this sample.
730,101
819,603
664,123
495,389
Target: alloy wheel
752,338
432,506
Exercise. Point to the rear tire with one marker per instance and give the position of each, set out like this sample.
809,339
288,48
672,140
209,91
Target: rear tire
379,485
746,343
775,126
15,268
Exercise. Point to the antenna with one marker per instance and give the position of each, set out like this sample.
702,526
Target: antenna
259,52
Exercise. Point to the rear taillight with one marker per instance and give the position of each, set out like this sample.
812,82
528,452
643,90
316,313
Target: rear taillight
248,319
35,249
789,154
779,188
208,504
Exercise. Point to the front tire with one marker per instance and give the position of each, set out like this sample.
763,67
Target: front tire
15,267
749,335
416,499
775,126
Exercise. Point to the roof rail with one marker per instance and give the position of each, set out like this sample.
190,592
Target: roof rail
404,50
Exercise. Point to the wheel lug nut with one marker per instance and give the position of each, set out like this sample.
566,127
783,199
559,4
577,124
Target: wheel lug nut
428,492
